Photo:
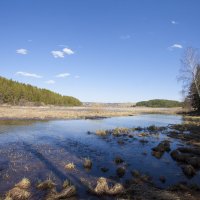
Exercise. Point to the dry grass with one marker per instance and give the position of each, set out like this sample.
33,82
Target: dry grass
52,112
70,166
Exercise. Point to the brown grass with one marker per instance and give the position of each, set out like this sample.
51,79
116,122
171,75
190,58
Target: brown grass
52,112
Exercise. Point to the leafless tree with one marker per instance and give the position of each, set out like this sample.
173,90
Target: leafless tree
189,72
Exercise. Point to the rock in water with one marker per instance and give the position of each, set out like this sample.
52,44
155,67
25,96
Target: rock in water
188,170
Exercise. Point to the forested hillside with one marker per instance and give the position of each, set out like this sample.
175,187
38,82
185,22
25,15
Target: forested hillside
159,103
15,93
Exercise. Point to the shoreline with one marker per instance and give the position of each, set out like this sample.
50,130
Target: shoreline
70,113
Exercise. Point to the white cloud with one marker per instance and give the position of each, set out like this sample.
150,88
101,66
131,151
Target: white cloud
77,76
28,74
125,37
176,46
68,51
50,82
174,22
57,54
63,75
61,54
22,51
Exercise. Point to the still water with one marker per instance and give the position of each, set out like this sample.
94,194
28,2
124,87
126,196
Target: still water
40,149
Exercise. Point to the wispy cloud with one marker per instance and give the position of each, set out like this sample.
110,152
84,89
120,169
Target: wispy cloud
174,22
22,51
57,54
50,82
63,75
28,74
125,37
77,76
175,46
62,53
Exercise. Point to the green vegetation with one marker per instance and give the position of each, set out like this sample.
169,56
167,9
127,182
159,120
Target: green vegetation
160,103
15,93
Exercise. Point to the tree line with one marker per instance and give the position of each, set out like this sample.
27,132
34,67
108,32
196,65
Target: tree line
15,93
159,103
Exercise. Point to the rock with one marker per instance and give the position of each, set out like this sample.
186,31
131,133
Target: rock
176,155
143,141
157,154
87,163
104,169
189,170
120,171
162,179
194,161
118,160
135,173
162,146
159,150
121,142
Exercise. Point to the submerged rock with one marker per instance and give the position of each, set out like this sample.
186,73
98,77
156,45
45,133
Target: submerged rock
118,160
160,149
120,171
162,179
135,173
104,169
188,170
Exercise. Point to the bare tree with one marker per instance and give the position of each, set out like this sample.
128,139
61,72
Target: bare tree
189,72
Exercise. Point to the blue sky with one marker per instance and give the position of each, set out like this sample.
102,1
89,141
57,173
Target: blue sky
98,50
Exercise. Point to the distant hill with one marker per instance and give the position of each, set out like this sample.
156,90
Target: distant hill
15,93
159,103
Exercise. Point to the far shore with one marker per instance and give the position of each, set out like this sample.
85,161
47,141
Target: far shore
84,112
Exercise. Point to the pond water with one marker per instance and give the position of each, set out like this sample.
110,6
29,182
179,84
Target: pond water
40,149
